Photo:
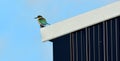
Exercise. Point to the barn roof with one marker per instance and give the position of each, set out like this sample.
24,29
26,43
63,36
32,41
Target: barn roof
81,21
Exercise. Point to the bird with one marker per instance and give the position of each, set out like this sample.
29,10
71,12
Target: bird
42,21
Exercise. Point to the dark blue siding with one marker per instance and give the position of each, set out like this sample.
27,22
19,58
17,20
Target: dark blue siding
61,49
100,42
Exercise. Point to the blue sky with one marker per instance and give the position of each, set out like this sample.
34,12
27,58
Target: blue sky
20,38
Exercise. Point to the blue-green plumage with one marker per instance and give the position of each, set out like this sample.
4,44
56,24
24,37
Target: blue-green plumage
42,21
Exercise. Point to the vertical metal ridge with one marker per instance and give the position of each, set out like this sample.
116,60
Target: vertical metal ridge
86,45
107,41
104,43
81,47
89,43
76,47
94,43
98,43
116,39
71,47
111,40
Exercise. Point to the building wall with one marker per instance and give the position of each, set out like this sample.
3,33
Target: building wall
100,42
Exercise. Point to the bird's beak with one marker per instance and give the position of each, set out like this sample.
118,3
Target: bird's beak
35,17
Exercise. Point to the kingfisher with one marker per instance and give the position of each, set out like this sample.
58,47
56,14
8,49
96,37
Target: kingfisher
42,21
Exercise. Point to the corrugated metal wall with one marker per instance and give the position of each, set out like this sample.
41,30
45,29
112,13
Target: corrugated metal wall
100,42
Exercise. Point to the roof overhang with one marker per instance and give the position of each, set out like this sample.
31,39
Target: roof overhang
80,21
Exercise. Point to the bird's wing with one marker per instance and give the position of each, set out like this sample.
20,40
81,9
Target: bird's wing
44,20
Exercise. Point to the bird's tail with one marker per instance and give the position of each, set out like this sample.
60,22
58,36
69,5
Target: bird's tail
48,24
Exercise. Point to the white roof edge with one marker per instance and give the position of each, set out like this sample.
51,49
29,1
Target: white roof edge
80,21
